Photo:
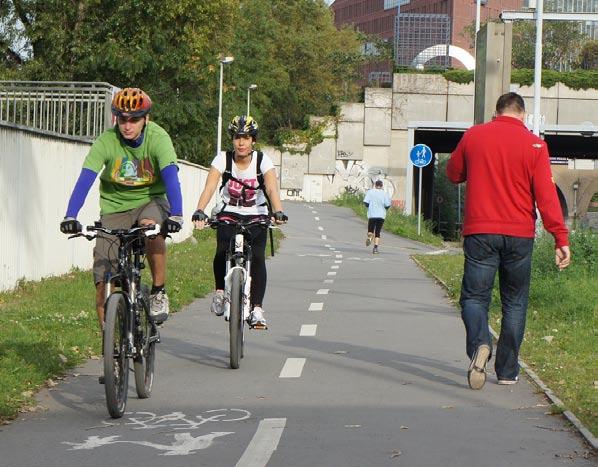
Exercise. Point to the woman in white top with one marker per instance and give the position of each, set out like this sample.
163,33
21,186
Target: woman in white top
245,190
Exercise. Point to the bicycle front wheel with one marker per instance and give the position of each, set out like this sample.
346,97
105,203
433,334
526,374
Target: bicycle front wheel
143,363
116,363
235,323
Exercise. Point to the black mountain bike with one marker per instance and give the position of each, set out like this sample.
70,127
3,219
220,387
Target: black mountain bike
129,333
237,282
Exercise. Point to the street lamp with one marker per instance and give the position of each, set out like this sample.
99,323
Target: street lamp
223,61
252,87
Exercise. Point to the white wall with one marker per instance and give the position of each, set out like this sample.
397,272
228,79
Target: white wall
37,175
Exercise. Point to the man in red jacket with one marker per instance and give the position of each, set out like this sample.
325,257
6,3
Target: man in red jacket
507,169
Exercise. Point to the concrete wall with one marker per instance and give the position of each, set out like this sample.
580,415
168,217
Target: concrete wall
37,175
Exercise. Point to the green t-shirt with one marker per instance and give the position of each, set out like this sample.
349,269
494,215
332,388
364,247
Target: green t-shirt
131,176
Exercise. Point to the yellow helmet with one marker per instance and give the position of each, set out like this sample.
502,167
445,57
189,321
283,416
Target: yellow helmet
131,102
243,125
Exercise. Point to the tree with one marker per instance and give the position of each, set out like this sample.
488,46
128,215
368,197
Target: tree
588,57
170,48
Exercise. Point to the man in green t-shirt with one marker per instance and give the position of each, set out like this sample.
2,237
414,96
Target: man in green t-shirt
139,184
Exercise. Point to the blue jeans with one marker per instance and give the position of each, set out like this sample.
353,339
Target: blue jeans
512,257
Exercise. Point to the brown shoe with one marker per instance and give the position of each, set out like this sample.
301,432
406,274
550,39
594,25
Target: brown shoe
476,376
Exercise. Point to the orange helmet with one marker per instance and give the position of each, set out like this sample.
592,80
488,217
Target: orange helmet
131,102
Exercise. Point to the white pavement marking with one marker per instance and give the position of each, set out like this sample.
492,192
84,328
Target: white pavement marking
308,329
338,261
331,273
327,245
292,368
263,444
315,212
339,256
324,237
315,306
317,218
328,281
322,291
336,266
320,228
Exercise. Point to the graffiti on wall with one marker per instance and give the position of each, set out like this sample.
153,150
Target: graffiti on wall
359,176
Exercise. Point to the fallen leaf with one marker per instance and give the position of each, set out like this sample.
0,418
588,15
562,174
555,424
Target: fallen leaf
548,338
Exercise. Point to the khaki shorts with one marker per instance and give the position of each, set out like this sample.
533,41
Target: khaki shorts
105,252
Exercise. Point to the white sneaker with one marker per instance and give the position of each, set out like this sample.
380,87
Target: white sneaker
217,306
257,319
159,307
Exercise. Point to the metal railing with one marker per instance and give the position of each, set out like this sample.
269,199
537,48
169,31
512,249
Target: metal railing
78,109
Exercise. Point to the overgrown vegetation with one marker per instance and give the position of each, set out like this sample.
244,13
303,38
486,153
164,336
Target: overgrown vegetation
396,222
579,79
560,340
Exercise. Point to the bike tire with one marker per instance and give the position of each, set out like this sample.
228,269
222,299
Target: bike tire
235,323
116,363
143,363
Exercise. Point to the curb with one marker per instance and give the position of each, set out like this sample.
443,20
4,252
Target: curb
570,416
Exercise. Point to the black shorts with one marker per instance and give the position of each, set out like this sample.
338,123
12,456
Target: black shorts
375,225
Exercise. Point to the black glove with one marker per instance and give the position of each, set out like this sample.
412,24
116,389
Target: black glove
199,215
173,224
280,216
70,225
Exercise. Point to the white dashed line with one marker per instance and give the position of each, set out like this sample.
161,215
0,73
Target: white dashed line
315,212
308,329
292,368
324,237
339,256
338,261
336,266
331,273
320,228
315,306
322,291
263,444
327,245
317,218
328,281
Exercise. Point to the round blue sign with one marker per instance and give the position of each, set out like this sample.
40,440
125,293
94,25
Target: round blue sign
420,155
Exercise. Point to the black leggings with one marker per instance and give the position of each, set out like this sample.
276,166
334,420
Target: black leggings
259,236
375,226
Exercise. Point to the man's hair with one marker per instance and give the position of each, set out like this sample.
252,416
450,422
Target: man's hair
378,183
510,101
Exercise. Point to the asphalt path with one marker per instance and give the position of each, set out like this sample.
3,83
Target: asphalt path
363,365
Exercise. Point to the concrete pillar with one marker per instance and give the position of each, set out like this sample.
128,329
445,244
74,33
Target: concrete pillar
493,68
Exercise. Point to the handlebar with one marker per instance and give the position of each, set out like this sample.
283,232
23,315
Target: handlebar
263,221
89,232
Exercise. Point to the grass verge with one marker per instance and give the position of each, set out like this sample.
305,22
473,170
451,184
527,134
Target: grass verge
396,222
560,342
50,326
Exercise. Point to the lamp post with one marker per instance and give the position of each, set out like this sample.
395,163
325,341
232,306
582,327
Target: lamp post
252,87
223,61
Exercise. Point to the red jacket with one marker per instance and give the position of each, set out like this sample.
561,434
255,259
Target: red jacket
507,170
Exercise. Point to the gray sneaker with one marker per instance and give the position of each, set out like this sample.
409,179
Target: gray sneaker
476,376
159,308
257,319
508,381
217,306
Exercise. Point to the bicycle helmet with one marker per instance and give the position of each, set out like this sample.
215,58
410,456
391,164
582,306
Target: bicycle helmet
243,125
131,102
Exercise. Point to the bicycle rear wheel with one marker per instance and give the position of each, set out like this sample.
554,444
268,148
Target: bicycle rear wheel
116,363
143,363
235,323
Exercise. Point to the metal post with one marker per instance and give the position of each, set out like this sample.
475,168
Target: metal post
538,66
419,201
251,87
223,62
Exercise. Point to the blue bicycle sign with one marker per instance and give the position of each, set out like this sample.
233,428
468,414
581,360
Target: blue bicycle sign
420,155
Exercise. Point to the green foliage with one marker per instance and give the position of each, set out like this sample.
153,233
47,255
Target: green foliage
396,222
578,79
588,58
301,63
560,339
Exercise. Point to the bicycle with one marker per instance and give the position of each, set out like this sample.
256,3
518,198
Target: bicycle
237,283
129,333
